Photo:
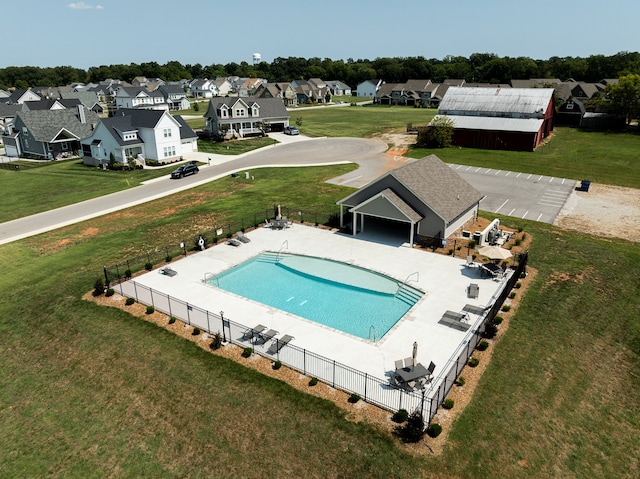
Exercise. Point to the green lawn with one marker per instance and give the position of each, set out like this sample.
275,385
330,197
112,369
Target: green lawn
92,392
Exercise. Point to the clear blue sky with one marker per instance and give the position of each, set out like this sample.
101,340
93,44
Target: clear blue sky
49,33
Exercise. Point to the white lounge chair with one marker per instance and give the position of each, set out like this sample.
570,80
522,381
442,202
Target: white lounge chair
242,237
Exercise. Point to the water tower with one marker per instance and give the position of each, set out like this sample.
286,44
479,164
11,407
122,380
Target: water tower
257,58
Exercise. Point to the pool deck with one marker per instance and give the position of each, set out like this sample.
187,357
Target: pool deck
444,280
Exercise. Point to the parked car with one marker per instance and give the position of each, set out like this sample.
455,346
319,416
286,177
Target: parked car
185,170
291,130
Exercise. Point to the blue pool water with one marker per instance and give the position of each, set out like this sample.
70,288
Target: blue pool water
344,297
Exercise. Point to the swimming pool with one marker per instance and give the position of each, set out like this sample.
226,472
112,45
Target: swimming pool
348,298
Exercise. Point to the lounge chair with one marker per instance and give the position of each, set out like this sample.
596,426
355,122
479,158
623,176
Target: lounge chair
264,337
411,385
399,364
251,332
234,242
242,237
278,344
168,271
473,291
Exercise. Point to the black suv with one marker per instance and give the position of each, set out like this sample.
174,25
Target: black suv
185,170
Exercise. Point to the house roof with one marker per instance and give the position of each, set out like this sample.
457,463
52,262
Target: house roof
17,95
44,125
142,118
87,98
433,183
186,132
120,123
491,101
9,111
269,107
47,104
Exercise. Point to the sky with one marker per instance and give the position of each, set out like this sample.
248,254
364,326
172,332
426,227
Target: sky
49,33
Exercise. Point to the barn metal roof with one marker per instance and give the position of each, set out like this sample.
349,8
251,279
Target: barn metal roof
495,101
487,123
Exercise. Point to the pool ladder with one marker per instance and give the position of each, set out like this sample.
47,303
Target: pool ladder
375,333
285,242
207,276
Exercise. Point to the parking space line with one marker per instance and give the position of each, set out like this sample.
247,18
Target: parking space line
497,172
511,212
505,202
487,172
525,214
518,175
529,176
539,217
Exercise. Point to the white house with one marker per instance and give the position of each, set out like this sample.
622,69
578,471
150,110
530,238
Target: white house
139,97
203,88
140,134
368,88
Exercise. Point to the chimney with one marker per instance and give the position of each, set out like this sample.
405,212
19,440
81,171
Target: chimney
81,115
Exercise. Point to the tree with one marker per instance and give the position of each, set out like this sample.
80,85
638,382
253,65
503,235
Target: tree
624,96
438,134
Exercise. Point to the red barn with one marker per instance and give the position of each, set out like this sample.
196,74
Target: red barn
499,118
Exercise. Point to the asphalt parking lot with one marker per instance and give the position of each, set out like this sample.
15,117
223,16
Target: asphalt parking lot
521,195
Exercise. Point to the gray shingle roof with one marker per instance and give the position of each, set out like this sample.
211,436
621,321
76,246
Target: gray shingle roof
44,125
186,132
121,123
438,186
269,107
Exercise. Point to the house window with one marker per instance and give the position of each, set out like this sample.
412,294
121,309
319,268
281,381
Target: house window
169,151
239,112
569,106
167,132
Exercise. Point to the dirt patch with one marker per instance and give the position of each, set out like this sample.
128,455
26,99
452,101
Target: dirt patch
610,211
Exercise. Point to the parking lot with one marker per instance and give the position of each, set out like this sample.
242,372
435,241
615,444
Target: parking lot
521,195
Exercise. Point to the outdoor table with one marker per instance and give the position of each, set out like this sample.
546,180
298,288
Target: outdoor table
280,224
412,373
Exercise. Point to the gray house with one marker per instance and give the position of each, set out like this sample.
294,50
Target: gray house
245,116
424,198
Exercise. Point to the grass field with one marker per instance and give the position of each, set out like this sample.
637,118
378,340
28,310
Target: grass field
93,392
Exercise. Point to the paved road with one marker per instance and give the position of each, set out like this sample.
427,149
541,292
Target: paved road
293,152
534,197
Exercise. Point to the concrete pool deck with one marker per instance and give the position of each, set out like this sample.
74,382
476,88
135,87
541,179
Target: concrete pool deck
443,279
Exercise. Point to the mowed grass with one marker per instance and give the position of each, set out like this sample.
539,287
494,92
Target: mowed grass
30,191
93,392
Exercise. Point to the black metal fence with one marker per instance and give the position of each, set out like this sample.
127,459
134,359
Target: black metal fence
340,376
162,254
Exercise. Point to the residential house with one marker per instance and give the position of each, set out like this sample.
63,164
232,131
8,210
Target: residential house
244,116
412,93
139,97
338,88
88,98
203,88
424,198
18,97
175,97
4,96
282,90
576,89
50,104
223,86
308,91
499,118
368,88
139,134
536,83
570,113
7,116
49,134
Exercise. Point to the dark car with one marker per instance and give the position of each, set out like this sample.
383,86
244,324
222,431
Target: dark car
185,170
291,130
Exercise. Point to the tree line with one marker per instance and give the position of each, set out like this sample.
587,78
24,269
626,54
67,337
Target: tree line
477,68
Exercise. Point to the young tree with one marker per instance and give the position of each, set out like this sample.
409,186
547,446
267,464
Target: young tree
438,134
625,96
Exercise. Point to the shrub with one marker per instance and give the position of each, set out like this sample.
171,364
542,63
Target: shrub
518,285
129,301
448,404
482,345
512,294
172,319
434,429
277,364
110,292
518,242
490,329
450,251
247,352
98,287
229,235
354,398
168,258
411,431
195,331
523,275
437,135
127,274
217,341
505,307
472,244
460,381
524,236
150,309
498,320
473,362
400,416
148,266
313,381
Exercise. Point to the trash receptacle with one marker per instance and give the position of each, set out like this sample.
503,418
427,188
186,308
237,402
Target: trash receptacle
584,186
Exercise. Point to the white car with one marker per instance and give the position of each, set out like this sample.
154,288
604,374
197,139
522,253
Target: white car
291,130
